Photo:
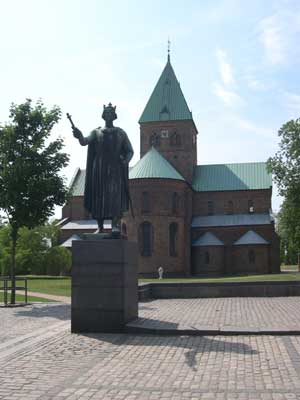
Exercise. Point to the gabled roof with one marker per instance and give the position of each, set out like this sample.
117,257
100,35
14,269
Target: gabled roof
208,239
78,182
167,102
68,242
81,224
250,237
154,165
232,220
242,176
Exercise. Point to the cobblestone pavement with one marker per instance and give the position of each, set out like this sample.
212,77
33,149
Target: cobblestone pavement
51,363
19,321
222,314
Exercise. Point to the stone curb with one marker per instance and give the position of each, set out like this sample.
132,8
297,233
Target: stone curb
132,328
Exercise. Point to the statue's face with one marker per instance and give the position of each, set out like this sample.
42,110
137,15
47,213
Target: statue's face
109,115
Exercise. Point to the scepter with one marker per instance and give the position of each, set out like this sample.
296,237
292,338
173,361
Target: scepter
70,119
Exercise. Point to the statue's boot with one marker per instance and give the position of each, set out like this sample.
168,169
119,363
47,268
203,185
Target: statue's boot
100,226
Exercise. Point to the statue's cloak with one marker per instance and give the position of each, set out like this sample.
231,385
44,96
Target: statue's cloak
106,194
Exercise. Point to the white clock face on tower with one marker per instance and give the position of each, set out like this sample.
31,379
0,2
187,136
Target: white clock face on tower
164,133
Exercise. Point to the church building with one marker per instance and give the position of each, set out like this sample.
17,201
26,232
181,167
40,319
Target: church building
190,219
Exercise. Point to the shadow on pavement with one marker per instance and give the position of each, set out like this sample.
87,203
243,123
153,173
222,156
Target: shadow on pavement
57,311
193,345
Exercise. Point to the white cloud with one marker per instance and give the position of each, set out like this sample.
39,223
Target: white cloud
225,68
229,97
226,88
279,34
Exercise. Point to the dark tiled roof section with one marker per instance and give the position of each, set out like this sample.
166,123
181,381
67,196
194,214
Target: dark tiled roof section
232,220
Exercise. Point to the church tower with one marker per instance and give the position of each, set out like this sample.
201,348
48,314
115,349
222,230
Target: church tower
167,124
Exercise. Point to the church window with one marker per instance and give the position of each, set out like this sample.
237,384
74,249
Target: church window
164,133
251,256
230,207
155,140
206,257
174,203
173,239
146,239
250,206
210,207
145,202
194,140
164,114
175,139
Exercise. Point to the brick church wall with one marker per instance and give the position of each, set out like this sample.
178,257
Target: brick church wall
242,265
161,216
230,234
184,156
216,260
74,209
240,198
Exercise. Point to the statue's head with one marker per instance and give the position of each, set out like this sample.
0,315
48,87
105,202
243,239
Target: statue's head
109,113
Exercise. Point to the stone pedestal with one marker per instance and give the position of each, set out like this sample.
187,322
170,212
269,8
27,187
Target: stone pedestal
104,285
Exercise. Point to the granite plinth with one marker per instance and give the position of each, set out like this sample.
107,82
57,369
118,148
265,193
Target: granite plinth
104,285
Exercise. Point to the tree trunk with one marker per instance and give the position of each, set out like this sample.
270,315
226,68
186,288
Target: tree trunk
14,234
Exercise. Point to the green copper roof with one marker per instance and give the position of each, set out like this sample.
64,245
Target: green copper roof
167,102
77,182
154,165
220,177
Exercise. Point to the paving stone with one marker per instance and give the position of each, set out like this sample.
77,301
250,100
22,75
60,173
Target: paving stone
253,314
48,362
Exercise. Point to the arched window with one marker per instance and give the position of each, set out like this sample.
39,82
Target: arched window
145,203
206,257
155,140
146,239
178,140
124,229
251,256
173,239
175,139
174,203
250,206
230,207
210,208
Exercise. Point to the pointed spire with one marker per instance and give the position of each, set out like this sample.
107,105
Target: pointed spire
167,101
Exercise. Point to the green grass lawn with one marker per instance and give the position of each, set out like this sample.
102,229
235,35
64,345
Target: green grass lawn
61,286
241,278
20,298
293,268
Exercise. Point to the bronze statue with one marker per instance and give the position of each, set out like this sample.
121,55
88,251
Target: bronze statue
106,194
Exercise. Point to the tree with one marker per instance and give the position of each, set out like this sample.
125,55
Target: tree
5,250
289,229
58,261
285,166
30,166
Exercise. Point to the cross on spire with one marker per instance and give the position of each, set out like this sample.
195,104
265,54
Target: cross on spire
169,45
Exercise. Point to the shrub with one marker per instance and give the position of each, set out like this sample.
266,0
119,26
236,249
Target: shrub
58,261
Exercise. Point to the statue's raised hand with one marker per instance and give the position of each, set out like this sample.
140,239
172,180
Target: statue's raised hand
77,132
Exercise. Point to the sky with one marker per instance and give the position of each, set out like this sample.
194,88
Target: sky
237,63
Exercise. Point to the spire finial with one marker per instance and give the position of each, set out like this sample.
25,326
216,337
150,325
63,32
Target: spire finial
169,45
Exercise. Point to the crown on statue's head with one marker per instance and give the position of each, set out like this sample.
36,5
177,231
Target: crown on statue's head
109,107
